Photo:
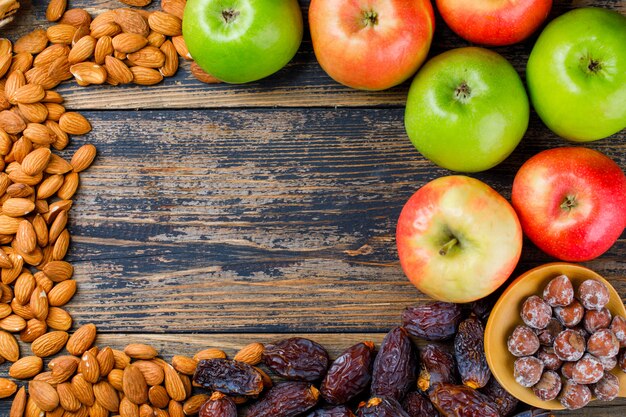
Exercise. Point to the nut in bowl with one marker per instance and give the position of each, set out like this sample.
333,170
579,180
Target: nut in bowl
505,318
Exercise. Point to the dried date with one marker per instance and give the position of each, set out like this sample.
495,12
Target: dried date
228,377
416,404
297,359
349,375
336,411
287,399
218,405
435,321
469,352
381,407
395,366
436,366
504,402
462,401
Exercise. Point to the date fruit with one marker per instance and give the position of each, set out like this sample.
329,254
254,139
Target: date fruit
436,366
287,399
349,375
336,411
381,407
462,401
435,321
218,405
417,404
504,402
395,366
228,377
297,359
469,351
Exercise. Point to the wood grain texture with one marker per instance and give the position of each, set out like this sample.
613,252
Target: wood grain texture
301,83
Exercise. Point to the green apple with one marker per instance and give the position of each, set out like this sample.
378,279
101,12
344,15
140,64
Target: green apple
576,74
467,109
239,41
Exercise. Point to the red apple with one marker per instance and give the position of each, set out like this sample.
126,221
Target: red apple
374,44
571,202
494,22
458,239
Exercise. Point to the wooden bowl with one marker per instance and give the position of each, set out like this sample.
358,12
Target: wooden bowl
506,315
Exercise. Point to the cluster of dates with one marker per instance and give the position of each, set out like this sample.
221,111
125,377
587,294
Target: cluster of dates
396,381
569,344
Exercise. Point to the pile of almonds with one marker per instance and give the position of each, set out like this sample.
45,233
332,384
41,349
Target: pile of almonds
116,47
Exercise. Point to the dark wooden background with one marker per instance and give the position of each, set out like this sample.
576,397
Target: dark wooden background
216,215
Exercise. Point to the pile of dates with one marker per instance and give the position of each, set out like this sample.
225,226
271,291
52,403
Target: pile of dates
569,344
397,380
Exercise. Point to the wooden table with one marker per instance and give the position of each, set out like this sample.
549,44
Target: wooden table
219,215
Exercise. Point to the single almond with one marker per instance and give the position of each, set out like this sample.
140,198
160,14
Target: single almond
33,42
152,372
39,304
76,17
74,123
24,286
88,366
83,390
34,113
104,29
41,230
87,73
8,225
131,21
149,57
80,33
250,354
173,384
34,328
19,403
83,157
62,293
11,122
57,165
140,351
135,385
26,367
39,134
194,403
202,75
50,185
156,39
181,47
104,48
55,111
14,323
58,271
128,408
59,319
26,239
146,76
116,379
57,227
7,388
69,187
82,50
117,70
63,368
106,396
137,3
82,339
17,207
61,246
171,59
27,94
210,353
106,360
49,344
61,33
36,161
55,10
67,399
20,190
184,364
129,42
50,54
9,275
13,82
9,348
174,7
165,23
22,61
44,395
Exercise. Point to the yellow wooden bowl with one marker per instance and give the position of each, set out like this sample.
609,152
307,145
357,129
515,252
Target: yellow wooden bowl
506,315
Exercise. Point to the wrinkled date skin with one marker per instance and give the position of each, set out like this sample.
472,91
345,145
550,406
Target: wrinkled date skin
381,407
218,405
436,366
462,401
504,402
297,359
395,366
469,351
349,375
287,399
337,411
228,377
417,404
434,321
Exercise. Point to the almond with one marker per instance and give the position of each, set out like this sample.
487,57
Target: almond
76,17
61,246
49,343
174,7
134,385
152,372
210,353
250,354
117,70
34,328
61,33
57,227
82,339
171,59
184,364
80,33
116,379
5,261
106,361
58,271
20,190
88,73
26,239
55,111
26,368
7,388
137,3
51,53
39,134
17,207
36,161
9,275
128,408
106,396
67,399
32,43
44,395
201,75
19,403
24,286
69,187
9,348
22,61
132,22
63,367
194,403
89,367
39,304
50,185
57,165
140,351
149,57
58,319
145,76
129,42
41,230
74,123
12,123
55,10
62,293
156,39
173,384
27,94
82,50
83,390
32,410
18,175
41,75
165,23
43,281
83,157
9,225
5,310
5,63
97,410
104,48
14,323
105,29
34,113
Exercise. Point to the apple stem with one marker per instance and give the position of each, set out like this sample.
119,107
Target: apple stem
370,18
446,248
569,203
229,15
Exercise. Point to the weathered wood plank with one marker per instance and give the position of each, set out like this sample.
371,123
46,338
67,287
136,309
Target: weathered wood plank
301,83
210,220
187,344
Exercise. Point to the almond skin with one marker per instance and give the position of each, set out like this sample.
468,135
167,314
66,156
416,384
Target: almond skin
134,384
173,384
19,403
55,10
26,368
88,366
82,339
9,348
49,343
251,354
62,293
83,390
7,388
44,395
106,396
83,157
74,124
184,364
58,271
140,351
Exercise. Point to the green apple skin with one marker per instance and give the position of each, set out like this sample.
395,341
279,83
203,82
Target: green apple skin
467,109
239,41
576,74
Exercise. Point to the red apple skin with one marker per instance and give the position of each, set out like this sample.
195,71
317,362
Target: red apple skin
371,57
494,22
585,231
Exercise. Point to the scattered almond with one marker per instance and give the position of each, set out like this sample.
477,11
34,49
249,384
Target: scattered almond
26,367
82,339
250,354
55,10
49,343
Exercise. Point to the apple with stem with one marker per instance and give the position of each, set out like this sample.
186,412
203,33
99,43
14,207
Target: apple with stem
458,239
571,202
374,44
